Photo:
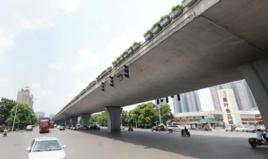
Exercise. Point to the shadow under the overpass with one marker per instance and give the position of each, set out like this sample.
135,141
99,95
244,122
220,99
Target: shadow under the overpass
197,146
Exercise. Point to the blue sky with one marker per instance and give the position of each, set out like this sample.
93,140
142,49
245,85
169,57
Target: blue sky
56,47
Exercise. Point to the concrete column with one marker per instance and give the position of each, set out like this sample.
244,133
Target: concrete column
74,121
256,75
66,122
84,120
114,118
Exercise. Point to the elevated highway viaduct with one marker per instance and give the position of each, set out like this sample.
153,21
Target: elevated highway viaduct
212,42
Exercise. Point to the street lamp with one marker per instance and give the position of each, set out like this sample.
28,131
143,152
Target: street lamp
160,118
14,120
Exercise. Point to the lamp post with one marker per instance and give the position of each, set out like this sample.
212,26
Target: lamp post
14,120
160,118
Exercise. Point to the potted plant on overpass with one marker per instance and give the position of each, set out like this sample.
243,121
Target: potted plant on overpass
188,3
176,11
148,35
136,46
156,28
164,21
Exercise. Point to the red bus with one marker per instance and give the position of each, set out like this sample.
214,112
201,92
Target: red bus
44,125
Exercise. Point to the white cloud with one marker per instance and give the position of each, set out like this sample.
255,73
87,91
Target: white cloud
79,85
23,23
6,41
84,59
56,66
39,14
3,79
121,43
105,28
61,6
40,91
42,94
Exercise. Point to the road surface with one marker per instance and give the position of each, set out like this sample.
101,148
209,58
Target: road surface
140,144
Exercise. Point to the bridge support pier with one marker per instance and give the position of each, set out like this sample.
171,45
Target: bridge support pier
67,122
256,75
114,118
73,121
84,120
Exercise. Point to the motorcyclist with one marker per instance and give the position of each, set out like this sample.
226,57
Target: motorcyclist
130,128
185,132
261,136
5,132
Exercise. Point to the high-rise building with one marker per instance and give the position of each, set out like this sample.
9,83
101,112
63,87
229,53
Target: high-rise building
229,106
25,96
243,95
187,102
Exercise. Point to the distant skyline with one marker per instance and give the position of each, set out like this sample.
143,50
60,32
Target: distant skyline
57,47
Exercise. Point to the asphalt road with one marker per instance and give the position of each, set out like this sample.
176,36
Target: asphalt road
138,145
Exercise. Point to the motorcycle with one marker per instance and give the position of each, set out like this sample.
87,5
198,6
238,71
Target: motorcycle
130,129
185,132
4,134
254,142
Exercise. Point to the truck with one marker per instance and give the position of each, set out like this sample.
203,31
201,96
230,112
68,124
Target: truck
44,124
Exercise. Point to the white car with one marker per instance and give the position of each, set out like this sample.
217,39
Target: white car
173,128
29,128
241,128
46,147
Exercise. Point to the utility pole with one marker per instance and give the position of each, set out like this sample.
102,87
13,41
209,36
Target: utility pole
14,120
160,118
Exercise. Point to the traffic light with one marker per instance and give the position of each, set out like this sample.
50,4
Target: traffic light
179,97
167,99
111,81
126,71
102,86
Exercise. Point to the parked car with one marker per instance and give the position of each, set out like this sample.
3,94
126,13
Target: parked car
77,127
73,128
251,128
46,147
94,127
29,128
241,128
84,127
61,127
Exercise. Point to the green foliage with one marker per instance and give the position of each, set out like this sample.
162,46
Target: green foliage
164,17
166,113
5,107
25,116
176,7
147,32
144,115
147,115
157,24
100,118
124,118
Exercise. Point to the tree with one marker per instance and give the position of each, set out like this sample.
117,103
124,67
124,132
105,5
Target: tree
124,117
100,118
144,115
166,113
5,107
25,116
